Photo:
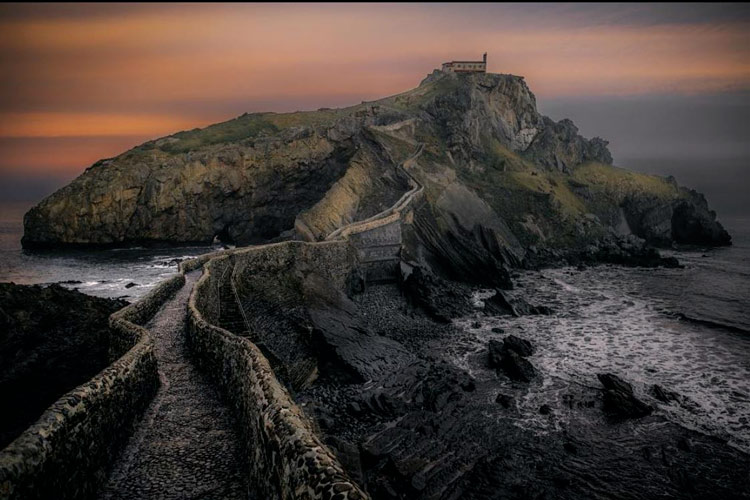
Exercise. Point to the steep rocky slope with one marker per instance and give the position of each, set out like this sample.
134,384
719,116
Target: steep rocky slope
51,340
503,185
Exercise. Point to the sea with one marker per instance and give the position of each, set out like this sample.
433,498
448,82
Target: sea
686,329
127,273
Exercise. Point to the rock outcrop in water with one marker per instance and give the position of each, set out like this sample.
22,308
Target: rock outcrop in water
503,185
619,400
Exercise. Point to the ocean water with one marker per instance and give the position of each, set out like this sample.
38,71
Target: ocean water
687,330
103,273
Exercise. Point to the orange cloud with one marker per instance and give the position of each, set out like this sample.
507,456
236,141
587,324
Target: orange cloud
150,72
35,124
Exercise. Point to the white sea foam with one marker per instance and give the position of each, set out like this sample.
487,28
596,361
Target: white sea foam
602,323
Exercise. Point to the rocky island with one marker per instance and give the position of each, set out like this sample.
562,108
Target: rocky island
364,235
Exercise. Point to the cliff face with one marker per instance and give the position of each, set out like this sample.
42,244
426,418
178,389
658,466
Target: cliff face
500,180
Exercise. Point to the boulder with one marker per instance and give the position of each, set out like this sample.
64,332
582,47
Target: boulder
509,357
517,368
504,400
440,299
663,394
619,400
496,352
521,346
501,304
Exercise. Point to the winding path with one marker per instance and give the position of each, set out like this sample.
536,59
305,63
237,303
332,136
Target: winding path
186,445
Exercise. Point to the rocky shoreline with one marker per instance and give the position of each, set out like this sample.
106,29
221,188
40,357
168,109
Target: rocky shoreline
434,430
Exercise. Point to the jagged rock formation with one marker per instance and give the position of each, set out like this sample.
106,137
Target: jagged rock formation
502,183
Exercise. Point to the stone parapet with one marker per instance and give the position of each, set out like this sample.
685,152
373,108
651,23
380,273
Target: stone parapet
68,451
286,459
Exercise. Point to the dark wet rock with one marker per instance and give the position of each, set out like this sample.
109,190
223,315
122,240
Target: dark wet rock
70,282
517,368
346,348
664,395
543,310
325,417
496,352
468,384
624,250
504,400
51,340
685,444
428,437
441,299
570,448
614,383
687,220
501,303
497,330
545,410
694,224
131,285
355,282
354,407
505,356
619,399
522,346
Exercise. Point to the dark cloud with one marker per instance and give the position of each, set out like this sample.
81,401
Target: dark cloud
702,140
45,10
667,126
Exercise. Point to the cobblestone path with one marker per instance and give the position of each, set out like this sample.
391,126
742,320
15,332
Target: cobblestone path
186,446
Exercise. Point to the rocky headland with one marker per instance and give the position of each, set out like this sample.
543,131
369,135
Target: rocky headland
500,187
505,186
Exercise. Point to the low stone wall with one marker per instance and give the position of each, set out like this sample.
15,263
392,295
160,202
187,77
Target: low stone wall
68,451
332,260
286,459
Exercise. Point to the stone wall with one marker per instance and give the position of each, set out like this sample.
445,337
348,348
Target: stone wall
333,260
286,459
378,240
68,451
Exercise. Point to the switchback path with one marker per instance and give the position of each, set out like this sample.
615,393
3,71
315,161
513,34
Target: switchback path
186,445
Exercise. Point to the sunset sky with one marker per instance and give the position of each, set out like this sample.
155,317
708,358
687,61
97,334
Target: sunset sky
79,82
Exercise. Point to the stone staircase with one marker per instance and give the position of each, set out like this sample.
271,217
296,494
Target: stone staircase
230,316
